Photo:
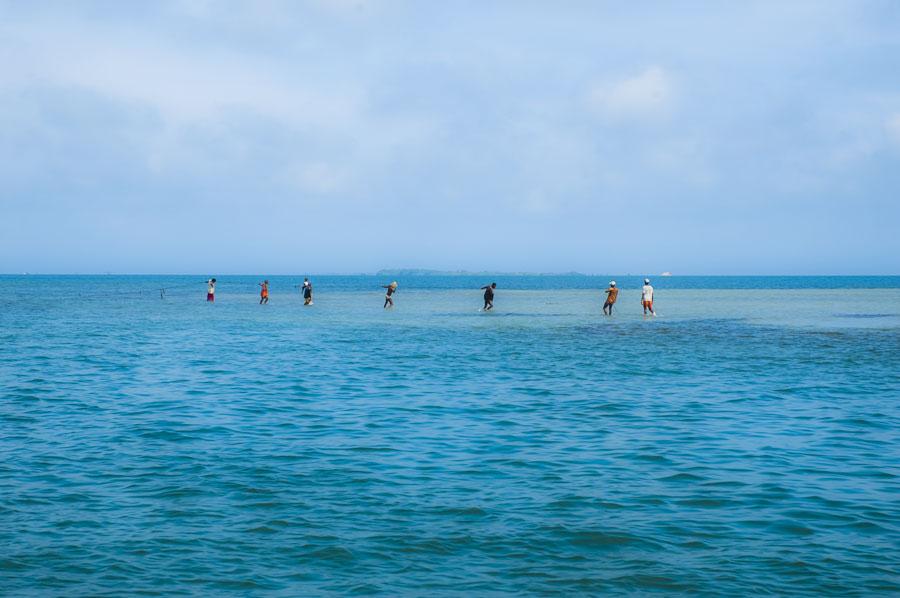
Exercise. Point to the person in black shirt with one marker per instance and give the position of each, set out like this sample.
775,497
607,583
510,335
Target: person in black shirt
307,292
391,289
489,296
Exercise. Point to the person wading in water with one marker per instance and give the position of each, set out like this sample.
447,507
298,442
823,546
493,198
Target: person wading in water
612,294
391,289
489,296
647,298
307,292
264,292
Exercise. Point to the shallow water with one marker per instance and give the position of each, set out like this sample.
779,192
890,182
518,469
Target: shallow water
744,441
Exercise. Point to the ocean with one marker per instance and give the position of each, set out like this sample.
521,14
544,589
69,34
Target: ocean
745,441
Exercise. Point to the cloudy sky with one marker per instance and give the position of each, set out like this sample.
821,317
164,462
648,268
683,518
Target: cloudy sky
351,135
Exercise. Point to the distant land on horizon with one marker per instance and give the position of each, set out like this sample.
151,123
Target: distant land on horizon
427,272
449,273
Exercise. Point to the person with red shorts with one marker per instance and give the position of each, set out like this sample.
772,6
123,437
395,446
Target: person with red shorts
647,298
264,292
211,290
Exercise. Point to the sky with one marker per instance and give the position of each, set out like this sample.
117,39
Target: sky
346,136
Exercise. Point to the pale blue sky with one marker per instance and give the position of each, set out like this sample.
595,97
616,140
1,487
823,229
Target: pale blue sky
352,135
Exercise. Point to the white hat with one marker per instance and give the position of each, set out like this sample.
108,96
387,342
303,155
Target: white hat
612,283
646,281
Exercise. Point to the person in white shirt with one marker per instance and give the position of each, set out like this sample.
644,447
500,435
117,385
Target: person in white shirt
211,290
647,297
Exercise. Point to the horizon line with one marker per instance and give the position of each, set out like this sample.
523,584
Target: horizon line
426,272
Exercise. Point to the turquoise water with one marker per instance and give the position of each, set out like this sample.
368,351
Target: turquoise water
747,440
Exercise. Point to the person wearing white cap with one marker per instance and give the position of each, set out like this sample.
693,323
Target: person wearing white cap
612,294
306,289
647,297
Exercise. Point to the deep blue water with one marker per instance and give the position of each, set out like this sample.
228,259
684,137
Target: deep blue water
746,441
242,283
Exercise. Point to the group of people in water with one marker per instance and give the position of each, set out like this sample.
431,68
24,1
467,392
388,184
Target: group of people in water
612,293
306,289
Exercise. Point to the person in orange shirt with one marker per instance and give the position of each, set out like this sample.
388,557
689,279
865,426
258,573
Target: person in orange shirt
264,292
612,293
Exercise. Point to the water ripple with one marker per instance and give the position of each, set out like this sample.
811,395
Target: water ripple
173,448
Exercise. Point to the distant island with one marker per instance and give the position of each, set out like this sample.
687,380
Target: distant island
426,272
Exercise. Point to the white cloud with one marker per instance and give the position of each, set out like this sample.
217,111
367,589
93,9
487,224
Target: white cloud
216,106
645,96
190,87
